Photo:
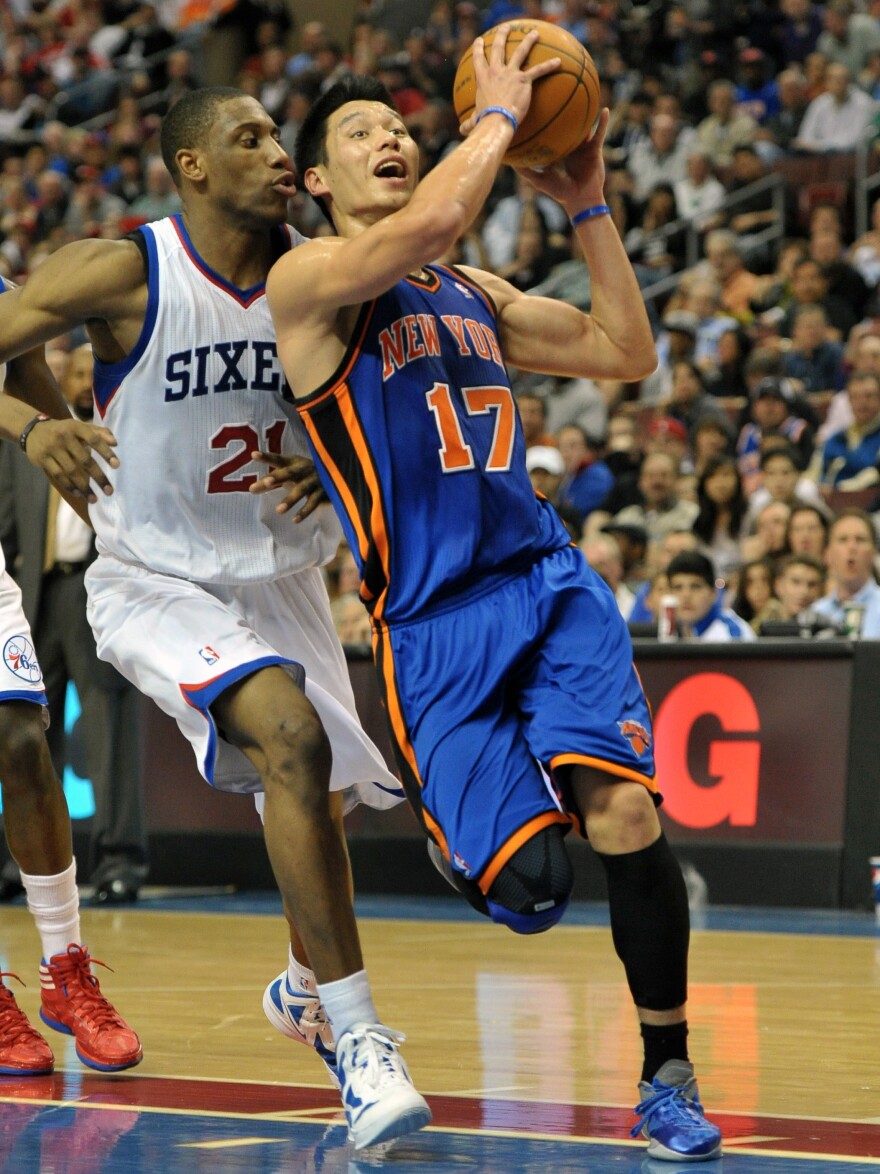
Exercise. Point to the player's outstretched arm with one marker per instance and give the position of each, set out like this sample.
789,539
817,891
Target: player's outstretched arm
613,341
64,448
90,281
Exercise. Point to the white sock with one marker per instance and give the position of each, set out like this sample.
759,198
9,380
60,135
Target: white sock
300,977
54,903
348,1002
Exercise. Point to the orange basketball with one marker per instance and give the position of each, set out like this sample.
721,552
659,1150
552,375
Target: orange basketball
565,104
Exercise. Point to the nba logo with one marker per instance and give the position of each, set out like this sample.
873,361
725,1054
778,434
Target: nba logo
209,655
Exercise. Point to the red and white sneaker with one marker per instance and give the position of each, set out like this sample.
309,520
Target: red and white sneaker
72,1002
23,1051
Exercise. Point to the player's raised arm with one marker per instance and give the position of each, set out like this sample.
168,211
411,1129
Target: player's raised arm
541,334
368,141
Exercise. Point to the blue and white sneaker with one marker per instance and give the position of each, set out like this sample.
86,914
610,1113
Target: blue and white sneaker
377,1092
300,1015
672,1117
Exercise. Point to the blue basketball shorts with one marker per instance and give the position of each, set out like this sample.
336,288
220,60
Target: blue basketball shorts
493,697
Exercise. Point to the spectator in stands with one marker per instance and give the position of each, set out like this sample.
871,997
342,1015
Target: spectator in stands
770,531
350,619
848,37
501,229
726,128
727,377
752,213
587,478
127,177
701,613
864,253
838,119
659,509
661,158
725,262
809,287
90,204
20,112
534,255
772,417
654,244
533,416
720,524
700,194
52,204
676,343
702,297
603,555
862,354
274,81
756,94
628,126
689,402
827,249
800,30
848,459
782,479
807,531
814,360
815,71
313,35
782,128
711,441
852,547
632,542
754,600
546,470
159,198
800,581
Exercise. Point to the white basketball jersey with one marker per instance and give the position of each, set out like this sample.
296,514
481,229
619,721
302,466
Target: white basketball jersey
201,390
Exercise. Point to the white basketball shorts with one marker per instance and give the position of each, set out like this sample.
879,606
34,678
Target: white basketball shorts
20,675
183,643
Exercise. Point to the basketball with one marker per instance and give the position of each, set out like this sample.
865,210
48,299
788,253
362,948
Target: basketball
565,104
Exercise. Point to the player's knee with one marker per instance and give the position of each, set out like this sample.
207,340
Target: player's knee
532,891
298,753
24,756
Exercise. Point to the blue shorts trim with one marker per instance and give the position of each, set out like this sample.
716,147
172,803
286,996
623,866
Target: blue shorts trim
15,695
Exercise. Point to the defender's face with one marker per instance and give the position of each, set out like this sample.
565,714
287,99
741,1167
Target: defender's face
372,163
248,172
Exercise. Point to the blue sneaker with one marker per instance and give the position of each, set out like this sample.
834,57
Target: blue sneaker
377,1092
672,1117
299,1015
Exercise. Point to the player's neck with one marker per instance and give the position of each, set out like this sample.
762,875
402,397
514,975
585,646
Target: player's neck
242,256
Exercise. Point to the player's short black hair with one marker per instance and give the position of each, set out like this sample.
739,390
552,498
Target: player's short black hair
311,142
188,122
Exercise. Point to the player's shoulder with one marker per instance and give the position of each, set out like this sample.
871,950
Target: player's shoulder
499,291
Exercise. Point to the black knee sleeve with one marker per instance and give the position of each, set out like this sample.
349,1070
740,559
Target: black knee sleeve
650,923
531,892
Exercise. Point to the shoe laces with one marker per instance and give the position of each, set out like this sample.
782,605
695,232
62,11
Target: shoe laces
14,1024
373,1052
72,972
674,1103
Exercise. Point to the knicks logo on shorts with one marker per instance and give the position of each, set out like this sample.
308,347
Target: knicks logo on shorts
636,734
21,659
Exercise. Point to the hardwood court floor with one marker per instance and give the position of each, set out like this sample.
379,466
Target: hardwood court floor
527,1048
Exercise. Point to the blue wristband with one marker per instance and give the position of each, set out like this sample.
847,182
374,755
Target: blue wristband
508,114
589,213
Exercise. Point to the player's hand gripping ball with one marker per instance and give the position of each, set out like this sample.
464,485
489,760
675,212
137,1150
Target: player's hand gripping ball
564,106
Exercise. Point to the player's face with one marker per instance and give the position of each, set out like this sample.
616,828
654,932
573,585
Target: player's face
372,163
248,172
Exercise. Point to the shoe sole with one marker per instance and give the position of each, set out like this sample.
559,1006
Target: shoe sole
417,1116
6,1070
90,1061
661,1154
281,1023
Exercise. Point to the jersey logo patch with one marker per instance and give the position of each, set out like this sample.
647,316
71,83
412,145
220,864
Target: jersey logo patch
21,659
208,655
636,734
461,864
463,289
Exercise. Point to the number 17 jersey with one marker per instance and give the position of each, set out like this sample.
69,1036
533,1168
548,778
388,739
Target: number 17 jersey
419,446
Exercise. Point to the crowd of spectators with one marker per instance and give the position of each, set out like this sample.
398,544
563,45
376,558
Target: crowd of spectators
762,419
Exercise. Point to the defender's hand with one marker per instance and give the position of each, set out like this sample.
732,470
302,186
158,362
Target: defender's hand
64,450
300,474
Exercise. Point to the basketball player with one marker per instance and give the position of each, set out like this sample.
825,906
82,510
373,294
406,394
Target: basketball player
35,816
500,651
203,595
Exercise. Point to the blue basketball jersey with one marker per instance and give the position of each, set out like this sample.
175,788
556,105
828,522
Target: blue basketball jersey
420,448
